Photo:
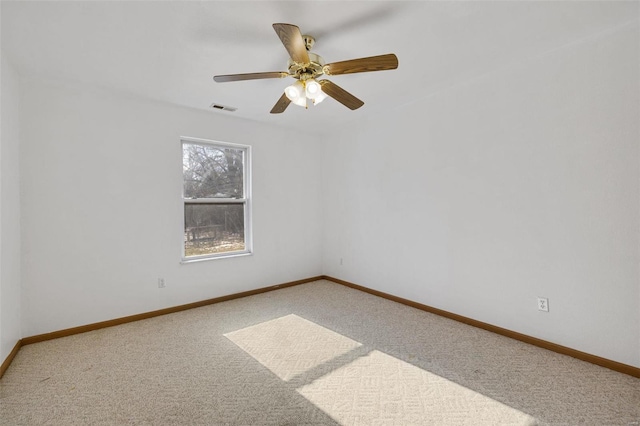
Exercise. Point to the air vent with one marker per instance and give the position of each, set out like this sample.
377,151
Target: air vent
223,107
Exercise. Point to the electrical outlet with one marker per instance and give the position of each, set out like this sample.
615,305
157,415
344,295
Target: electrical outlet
543,304
161,283
340,261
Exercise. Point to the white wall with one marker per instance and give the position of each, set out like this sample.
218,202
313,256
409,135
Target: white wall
476,200
102,211
518,184
9,210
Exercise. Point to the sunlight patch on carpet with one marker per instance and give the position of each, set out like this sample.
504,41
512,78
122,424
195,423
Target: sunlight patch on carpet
290,345
372,389
379,389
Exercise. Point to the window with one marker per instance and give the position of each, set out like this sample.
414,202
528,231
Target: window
216,197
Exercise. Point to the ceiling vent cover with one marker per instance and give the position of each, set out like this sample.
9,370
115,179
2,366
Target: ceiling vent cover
223,107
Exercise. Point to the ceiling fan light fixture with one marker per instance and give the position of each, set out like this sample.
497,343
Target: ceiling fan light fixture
302,101
295,92
312,89
319,97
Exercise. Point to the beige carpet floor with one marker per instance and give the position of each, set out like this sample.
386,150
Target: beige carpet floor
314,354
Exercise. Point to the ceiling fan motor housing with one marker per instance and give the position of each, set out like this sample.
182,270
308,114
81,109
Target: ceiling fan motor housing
306,71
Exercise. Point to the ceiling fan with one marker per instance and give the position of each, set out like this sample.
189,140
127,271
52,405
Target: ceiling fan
306,67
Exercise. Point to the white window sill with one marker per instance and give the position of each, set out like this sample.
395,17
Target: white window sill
216,257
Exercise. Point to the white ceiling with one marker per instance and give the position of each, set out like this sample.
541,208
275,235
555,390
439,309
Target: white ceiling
169,51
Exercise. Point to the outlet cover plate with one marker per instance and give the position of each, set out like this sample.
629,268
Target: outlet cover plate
543,304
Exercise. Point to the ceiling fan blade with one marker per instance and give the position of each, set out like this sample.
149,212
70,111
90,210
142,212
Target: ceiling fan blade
371,63
281,105
250,76
292,39
340,95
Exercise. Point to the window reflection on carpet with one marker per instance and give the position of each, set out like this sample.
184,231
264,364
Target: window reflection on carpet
290,345
366,386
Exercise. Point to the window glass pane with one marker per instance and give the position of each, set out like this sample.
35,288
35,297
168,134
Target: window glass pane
213,228
212,171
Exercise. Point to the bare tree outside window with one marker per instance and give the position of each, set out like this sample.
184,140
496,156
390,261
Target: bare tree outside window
215,198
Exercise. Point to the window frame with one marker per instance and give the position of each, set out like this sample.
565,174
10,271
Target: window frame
245,200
